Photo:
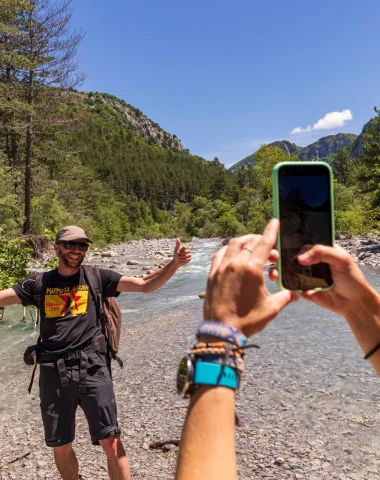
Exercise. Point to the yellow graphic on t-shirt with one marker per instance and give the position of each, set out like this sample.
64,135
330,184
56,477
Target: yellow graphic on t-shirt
59,300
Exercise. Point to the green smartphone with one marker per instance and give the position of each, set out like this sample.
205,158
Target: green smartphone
303,201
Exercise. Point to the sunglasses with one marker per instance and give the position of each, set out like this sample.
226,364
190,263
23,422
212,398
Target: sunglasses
83,247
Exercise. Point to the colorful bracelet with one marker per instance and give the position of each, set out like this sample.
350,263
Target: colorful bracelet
221,330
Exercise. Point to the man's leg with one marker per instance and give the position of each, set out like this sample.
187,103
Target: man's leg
58,406
117,460
66,462
99,406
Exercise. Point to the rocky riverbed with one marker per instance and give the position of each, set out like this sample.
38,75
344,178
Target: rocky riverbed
308,401
366,250
308,404
139,257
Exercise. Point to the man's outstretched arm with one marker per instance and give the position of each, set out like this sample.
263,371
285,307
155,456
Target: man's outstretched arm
8,297
153,281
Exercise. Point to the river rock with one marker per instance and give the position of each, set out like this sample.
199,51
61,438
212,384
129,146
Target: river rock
132,262
110,253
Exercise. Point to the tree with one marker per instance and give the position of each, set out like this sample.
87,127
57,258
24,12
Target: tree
370,170
266,158
343,166
37,33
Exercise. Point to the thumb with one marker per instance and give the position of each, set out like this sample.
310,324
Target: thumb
177,245
281,299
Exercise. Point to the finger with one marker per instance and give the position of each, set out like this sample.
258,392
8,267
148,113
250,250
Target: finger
266,243
217,260
335,256
281,299
177,245
274,256
273,274
236,246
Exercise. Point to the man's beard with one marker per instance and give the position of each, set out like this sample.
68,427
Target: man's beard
69,262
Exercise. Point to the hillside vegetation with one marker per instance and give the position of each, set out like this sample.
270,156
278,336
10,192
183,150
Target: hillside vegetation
69,157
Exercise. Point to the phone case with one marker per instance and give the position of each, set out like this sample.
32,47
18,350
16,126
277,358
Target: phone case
276,213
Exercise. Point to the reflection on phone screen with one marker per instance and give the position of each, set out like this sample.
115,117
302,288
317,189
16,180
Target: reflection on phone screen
305,213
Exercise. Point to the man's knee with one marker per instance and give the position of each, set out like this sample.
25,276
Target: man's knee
63,450
112,446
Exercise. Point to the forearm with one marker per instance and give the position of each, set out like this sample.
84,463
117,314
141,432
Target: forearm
364,320
207,447
155,280
8,297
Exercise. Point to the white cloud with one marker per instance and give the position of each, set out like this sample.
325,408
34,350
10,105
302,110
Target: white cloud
328,122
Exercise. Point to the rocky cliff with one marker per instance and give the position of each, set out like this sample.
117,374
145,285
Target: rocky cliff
133,119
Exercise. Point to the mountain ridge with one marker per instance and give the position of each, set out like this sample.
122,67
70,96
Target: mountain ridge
321,149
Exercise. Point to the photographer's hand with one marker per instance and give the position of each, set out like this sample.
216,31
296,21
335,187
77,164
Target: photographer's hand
236,295
236,290
351,296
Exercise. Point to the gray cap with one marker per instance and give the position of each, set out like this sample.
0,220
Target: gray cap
70,233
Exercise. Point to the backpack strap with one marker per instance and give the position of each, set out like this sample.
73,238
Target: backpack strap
95,284
39,292
94,280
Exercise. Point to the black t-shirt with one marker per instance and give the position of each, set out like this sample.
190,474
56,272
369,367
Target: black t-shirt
69,319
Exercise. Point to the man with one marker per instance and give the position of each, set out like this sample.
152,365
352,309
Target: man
69,327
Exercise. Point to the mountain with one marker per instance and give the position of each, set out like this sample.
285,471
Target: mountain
134,156
319,150
327,146
132,119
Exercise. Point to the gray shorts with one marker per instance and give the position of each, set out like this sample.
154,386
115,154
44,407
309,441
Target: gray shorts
59,404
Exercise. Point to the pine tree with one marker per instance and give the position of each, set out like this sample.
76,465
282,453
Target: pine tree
37,34
370,170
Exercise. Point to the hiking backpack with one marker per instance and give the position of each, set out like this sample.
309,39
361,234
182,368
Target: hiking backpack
108,312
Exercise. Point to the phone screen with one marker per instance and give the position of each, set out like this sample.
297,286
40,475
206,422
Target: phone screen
305,216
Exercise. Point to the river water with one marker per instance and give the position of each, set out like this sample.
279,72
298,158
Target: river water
181,292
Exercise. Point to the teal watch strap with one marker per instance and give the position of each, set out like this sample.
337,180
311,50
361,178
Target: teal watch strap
216,374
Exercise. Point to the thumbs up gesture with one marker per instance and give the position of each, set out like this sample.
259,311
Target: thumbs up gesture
182,254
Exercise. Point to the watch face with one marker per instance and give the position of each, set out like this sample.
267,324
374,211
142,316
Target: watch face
184,375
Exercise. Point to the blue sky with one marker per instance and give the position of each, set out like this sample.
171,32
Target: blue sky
228,75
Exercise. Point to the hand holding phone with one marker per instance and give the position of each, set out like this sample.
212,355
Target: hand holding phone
303,202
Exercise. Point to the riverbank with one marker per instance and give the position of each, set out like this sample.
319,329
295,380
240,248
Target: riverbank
139,257
308,403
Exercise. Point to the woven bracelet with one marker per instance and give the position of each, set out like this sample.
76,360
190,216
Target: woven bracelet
222,330
371,352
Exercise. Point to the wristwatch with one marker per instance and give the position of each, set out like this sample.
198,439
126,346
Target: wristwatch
192,373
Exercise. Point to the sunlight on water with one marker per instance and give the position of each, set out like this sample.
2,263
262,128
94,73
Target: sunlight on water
182,291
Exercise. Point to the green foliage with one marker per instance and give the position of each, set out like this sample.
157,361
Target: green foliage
370,170
350,222
13,262
52,263
344,168
266,158
10,211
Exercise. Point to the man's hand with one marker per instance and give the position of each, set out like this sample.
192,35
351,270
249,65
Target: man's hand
182,255
236,290
350,289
